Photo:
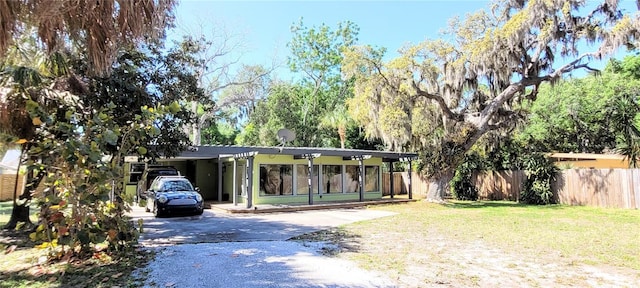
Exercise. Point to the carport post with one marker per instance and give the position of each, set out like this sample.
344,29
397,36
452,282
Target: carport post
361,161
310,168
410,189
309,158
391,179
250,180
219,179
235,182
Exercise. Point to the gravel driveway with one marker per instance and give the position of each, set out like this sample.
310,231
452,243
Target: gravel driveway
226,250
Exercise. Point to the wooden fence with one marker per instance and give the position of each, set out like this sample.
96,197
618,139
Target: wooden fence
618,188
420,185
615,188
7,185
499,185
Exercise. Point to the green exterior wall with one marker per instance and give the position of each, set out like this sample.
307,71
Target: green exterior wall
207,178
317,198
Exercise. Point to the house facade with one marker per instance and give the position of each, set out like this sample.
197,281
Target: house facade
249,176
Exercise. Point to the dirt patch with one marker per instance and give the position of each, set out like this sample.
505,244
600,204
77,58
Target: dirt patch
438,261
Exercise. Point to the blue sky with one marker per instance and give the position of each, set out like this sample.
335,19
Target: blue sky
263,27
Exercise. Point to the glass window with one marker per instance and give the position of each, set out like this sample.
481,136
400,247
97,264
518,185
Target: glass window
352,175
332,179
302,178
135,172
371,179
276,179
176,186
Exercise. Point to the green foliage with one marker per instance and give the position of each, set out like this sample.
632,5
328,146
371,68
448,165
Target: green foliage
574,115
462,187
594,114
317,51
503,152
80,209
80,130
441,96
301,107
623,112
150,79
220,133
541,172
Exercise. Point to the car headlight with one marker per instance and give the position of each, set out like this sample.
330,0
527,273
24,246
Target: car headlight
198,197
162,199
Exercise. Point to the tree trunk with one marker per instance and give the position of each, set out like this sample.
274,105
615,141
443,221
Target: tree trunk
439,186
21,211
19,214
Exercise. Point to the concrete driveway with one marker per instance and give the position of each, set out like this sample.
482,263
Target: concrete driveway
215,226
219,249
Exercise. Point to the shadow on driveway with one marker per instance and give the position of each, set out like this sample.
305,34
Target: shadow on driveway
215,227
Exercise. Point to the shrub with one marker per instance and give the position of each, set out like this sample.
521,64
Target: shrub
461,184
541,172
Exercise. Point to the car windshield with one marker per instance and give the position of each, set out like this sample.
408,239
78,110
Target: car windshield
176,186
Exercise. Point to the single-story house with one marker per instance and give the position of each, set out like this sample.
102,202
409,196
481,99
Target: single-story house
278,175
589,160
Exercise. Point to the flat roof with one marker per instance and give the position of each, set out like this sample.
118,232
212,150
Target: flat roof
224,151
586,156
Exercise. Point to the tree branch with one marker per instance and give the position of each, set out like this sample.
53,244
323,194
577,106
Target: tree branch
438,99
573,65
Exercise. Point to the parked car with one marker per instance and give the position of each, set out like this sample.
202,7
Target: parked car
169,194
149,174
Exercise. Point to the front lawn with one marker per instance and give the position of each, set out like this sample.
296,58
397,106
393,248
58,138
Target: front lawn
472,243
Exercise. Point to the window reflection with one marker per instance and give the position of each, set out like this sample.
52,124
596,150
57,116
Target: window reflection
276,179
352,175
371,179
302,178
332,179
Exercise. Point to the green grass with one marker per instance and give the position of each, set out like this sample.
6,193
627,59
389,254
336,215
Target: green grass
5,212
592,235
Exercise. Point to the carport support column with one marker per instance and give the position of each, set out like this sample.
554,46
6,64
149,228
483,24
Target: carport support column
361,176
250,181
310,168
391,179
219,180
410,188
234,185
309,158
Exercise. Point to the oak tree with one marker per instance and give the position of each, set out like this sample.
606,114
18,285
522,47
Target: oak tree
441,96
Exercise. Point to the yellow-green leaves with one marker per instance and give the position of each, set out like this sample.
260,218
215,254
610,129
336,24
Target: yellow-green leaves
174,107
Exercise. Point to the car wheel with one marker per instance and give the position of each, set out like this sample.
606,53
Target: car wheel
199,211
146,208
156,212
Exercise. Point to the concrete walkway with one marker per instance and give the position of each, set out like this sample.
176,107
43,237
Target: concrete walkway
270,208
